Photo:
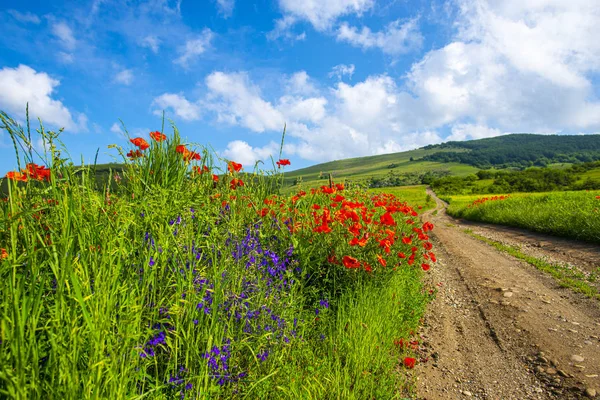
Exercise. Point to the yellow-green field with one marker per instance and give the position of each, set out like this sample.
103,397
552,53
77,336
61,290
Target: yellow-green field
568,214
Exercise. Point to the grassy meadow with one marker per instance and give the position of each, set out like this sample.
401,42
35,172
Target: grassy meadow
571,214
181,277
362,170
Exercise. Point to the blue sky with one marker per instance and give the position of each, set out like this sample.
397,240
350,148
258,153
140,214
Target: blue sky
348,77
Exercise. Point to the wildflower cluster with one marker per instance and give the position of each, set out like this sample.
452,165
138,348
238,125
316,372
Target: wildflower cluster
31,171
483,200
178,281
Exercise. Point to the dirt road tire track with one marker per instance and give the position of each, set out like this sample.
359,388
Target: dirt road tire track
500,329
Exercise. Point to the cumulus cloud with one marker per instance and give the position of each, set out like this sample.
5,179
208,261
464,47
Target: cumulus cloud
322,14
183,108
510,66
237,101
462,132
517,66
241,152
339,71
301,83
24,85
397,38
194,47
124,77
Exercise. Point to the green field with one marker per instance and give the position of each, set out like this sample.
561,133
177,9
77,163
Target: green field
359,170
573,215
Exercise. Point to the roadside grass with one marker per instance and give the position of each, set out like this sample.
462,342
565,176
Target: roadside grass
565,275
574,215
185,278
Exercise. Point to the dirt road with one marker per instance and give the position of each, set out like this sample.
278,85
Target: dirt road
501,329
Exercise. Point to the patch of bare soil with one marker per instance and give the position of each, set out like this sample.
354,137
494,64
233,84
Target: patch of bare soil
499,328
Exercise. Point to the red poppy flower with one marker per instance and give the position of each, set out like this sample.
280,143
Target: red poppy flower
233,166
425,267
381,260
215,178
350,262
235,183
139,142
192,155
133,154
427,226
387,219
368,267
283,161
181,149
159,137
409,362
16,176
4,254
406,240
432,257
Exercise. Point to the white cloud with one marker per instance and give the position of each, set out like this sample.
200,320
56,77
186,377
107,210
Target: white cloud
481,83
550,38
342,69
26,17
306,110
301,83
515,66
323,14
24,85
241,152
462,132
124,77
64,34
179,104
283,30
237,101
151,42
194,47
226,7
395,39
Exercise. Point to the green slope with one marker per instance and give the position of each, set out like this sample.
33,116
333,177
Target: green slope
515,151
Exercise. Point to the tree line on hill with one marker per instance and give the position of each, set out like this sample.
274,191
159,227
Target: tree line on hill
519,151
528,180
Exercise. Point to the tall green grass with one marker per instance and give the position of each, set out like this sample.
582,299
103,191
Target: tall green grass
573,215
170,283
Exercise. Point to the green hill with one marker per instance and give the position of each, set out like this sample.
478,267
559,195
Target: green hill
519,150
424,165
